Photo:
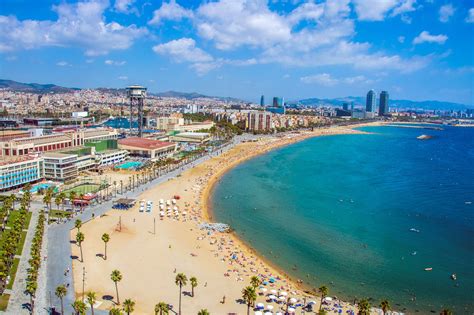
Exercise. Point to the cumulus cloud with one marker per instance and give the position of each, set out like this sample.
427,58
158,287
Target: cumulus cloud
114,62
123,77
401,39
62,64
125,6
78,25
170,11
377,10
470,16
183,49
326,79
426,37
446,12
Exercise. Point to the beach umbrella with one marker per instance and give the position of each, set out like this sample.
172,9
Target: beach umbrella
272,297
175,208
173,201
293,300
269,307
312,302
273,291
283,293
328,298
278,313
263,289
184,212
282,298
258,313
291,310
268,313
260,305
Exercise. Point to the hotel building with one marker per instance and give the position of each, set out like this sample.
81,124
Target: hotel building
17,173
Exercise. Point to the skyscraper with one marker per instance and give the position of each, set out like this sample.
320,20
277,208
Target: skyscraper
370,104
345,106
262,100
383,105
278,102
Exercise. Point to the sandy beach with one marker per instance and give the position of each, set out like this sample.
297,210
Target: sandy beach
149,260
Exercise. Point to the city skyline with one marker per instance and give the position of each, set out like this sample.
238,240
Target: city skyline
244,48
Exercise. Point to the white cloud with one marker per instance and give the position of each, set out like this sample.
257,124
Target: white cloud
326,79
123,77
470,16
62,63
170,11
426,37
376,10
401,39
125,6
78,25
183,49
114,62
446,12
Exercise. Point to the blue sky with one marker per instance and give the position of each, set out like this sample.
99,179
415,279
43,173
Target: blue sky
415,49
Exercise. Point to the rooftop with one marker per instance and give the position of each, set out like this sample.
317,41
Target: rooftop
144,143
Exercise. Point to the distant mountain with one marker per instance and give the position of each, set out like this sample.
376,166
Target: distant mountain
193,95
360,101
34,87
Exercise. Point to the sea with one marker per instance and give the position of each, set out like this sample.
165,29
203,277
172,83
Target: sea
120,122
364,214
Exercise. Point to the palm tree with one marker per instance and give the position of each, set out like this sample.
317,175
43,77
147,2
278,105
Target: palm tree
249,296
446,312
194,283
255,281
72,196
78,225
31,290
79,307
79,240
128,306
204,312
91,299
180,281
61,293
364,307
105,239
324,292
116,277
322,312
57,201
161,308
115,311
385,305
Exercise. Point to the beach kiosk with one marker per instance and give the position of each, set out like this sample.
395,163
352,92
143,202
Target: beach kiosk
123,203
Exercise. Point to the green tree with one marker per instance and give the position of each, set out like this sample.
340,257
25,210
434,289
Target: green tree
91,299
255,282
324,292
180,281
161,308
446,312
116,277
105,239
194,283
115,311
61,293
79,307
249,296
204,312
364,307
128,306
79,240
78,225
385,305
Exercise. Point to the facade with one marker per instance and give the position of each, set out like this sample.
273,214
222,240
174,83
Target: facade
60,166
110,157
383,105
259,121
169,123
205,125
370,103
147,148
18,173
194,137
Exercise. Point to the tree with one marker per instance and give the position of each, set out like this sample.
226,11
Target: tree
31,290
446,312
78,225
58,201
128,306
91,299
79,240
72,197
194,283
105,239
204,312
116,277
161,308
115,311
255,281
364,307
61,293
324,292
79,307
249,296
385,305
180,281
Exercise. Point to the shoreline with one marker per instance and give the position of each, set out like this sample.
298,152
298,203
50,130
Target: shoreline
208,213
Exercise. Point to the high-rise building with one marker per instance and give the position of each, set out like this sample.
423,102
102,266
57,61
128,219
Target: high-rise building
370,103
262,100
383,105
277,102
345,106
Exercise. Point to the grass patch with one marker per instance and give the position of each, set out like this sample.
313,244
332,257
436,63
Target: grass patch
13,270
4,301
19,249
59,214
14,215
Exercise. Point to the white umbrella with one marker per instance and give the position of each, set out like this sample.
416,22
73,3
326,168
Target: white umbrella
173,201
175,208
184,212
272,297
258,313
269,307
273,291
291,310
293,300
268,313
312,302
162,213
260,305
283,293
327,298
263,289
162,201
278,313
282,298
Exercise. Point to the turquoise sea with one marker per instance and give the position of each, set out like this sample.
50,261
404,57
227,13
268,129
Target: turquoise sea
339,210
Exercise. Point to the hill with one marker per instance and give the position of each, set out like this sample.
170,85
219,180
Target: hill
34,87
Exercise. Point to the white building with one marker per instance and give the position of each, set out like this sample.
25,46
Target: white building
15,174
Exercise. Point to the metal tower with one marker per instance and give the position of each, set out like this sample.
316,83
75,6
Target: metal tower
137,95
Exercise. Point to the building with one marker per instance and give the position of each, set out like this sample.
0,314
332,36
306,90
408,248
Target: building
383,104
40,121
147,148
169,123
15,174
370,103
278,102
262,101
7,135
194,137
259,121
60,166
345,106
197,126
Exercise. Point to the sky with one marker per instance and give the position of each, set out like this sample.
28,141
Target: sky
414,49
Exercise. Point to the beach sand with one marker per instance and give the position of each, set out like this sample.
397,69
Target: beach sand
150,261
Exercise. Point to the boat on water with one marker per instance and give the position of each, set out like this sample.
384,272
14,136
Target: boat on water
428,269
424,137
454,277
414,230
413,253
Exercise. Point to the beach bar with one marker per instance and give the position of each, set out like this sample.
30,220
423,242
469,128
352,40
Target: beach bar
124,203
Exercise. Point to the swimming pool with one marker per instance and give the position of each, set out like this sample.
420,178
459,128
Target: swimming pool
129,165
40,186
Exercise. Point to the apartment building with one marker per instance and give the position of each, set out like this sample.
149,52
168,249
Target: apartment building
60,166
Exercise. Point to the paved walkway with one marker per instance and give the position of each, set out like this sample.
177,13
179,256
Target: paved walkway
59,246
